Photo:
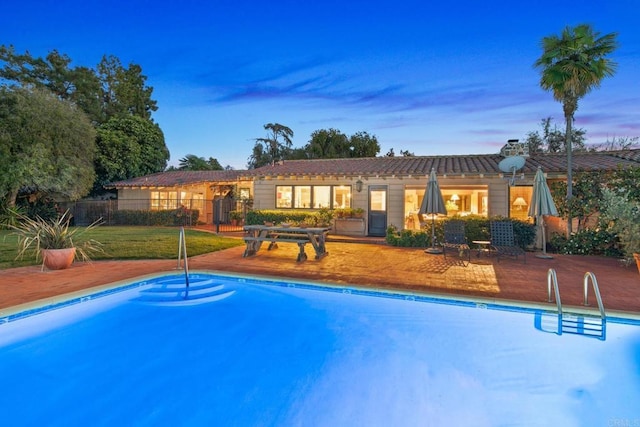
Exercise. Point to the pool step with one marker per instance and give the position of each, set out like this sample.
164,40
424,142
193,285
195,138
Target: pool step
173,292
590,326
570,323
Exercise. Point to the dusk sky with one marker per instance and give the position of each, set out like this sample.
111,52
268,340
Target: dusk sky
428,77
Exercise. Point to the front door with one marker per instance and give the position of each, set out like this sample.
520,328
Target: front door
377,210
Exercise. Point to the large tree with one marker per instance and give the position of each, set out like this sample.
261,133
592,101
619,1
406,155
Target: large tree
273,148
124,90
364,145
328,144
571,65
552,139
332,144
129,146
108,91
116,99
79,85
46,145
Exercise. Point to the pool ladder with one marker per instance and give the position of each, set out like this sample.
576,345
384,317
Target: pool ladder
572,323
182,254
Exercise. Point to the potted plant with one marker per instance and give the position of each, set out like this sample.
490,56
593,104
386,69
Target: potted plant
54,241
623,216
235,217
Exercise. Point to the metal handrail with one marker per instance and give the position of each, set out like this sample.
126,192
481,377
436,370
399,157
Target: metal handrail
552,279
589,275
182,251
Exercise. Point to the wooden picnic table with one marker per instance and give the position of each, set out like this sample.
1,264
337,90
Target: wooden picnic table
255,235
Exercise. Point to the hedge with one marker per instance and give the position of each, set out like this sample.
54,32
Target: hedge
156,218
476,228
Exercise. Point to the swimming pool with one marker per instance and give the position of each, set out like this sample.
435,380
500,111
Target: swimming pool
257,352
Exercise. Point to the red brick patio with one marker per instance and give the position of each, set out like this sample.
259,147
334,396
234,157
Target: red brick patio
367,265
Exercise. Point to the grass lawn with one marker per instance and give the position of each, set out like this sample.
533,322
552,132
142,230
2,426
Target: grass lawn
129,243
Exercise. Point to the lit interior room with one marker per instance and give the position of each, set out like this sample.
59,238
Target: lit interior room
460,201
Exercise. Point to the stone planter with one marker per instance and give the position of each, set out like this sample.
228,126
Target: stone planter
58,259
349,226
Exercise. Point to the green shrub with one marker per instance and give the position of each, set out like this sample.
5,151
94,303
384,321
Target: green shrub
237,215
476,228
621,216
319,217
408,238
173,217
587,242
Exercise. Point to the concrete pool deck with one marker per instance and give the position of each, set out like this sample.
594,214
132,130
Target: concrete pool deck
361,264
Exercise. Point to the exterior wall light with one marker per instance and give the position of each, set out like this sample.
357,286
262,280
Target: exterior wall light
358,186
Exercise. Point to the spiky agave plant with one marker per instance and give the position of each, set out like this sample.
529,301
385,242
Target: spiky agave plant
37,234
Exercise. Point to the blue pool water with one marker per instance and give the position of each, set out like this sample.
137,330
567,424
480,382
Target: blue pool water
250,352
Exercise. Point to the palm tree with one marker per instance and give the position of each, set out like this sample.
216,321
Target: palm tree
571,65
192,162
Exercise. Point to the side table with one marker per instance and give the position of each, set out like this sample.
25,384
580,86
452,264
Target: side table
482,246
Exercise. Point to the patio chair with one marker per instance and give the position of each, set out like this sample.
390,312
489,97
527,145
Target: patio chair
503,240
456,241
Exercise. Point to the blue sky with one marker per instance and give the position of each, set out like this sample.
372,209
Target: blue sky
431,78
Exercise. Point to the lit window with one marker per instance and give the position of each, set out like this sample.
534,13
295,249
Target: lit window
284,196
313,196
164,200
519,199
341,196
460,201
302,196
321,196
245,194
378,200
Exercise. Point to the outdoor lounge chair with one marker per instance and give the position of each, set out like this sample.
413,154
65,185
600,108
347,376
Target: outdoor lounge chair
456,241
503,241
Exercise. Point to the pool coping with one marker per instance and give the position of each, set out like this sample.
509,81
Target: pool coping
13,313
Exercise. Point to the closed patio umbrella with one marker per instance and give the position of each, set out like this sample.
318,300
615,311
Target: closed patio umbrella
542,204
433,205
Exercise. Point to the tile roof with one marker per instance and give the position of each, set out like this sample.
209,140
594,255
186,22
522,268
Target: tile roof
178,177
553,165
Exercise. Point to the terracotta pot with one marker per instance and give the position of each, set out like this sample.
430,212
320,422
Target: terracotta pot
58,259
637,258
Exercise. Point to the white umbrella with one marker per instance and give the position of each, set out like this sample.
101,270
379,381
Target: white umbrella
542,204
433,205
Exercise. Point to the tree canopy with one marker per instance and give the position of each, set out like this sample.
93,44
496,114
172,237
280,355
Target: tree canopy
552,139
127,147
324,144
327,144
116,99
108,91
46,145
194,163
273,148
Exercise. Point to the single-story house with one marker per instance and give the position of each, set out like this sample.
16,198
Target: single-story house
389,189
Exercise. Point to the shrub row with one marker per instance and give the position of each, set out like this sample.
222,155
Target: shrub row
586,242
476,228
320,217
156,218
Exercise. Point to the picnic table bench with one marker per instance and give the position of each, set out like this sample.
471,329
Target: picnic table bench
255,235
